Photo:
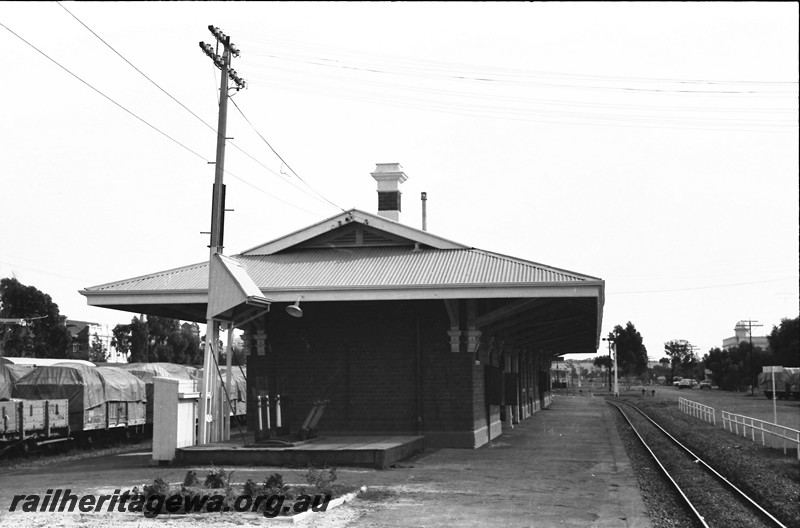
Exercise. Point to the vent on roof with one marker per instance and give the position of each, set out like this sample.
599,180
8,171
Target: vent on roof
355,235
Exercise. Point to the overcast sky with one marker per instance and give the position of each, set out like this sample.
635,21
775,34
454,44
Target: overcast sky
653,145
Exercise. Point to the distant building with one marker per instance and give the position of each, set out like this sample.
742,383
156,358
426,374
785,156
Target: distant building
83,333
742,333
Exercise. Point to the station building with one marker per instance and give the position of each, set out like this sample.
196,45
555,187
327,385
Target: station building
402,331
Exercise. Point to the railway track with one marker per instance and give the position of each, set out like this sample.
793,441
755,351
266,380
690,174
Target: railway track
710,499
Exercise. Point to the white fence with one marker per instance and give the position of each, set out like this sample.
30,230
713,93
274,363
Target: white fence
698,410
770,433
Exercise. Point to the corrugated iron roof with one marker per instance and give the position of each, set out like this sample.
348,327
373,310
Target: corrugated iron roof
390,267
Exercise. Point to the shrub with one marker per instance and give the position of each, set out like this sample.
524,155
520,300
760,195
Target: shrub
251,488
273,484
159,487
322,479
217,478
191,480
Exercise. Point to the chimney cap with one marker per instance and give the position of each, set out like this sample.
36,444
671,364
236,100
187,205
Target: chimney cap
389,172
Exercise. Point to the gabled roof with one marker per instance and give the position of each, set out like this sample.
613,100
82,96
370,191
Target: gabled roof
358,256
376,224
368,273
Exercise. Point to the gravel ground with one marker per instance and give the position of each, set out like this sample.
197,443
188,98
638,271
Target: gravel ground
659,496
72,453
769,477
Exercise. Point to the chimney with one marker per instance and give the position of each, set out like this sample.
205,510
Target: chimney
389,177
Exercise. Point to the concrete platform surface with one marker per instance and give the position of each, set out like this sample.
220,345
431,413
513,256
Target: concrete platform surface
342,450
565,466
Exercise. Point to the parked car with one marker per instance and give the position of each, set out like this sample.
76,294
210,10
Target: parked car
676,381
705,384
685,383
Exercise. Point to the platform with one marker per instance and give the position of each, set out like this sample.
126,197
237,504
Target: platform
351,450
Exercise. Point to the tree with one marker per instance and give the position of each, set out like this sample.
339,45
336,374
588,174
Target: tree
45,337
131,340
784,343
156,339
604,362
98,353
678,351
730,369
631,352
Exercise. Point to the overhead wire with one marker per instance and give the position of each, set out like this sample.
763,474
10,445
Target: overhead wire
201,119
477,80
144,121
107,97
486,72
281,158
188,109
541,116
327,63
528,113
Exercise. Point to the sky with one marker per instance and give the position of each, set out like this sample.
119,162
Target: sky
653,145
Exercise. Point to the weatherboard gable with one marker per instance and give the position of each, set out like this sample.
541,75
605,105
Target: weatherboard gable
354,228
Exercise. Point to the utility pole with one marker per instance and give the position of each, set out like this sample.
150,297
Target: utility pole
217,220
750,326
611,362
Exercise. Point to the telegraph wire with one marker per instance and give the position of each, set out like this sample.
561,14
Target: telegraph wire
162,89
423,68
104,95
481,73
198,117
327,63
281,158
378,66
134,67
468,106
544,116
142,120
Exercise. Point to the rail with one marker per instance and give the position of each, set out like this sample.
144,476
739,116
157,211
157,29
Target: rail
698,410
697,461
776,432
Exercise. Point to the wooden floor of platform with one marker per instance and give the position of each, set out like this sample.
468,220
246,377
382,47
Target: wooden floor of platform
350,450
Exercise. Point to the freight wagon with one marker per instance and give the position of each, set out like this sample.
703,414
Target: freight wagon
52,401
27,423
787,382
99,398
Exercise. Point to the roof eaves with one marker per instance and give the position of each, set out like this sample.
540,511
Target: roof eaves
543,266
101,287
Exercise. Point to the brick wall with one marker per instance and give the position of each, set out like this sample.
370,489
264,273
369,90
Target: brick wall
363,356
385,367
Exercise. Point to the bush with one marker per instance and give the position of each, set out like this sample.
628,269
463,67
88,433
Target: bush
273,484
159,487
217,478
322,479
191,480
251,489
